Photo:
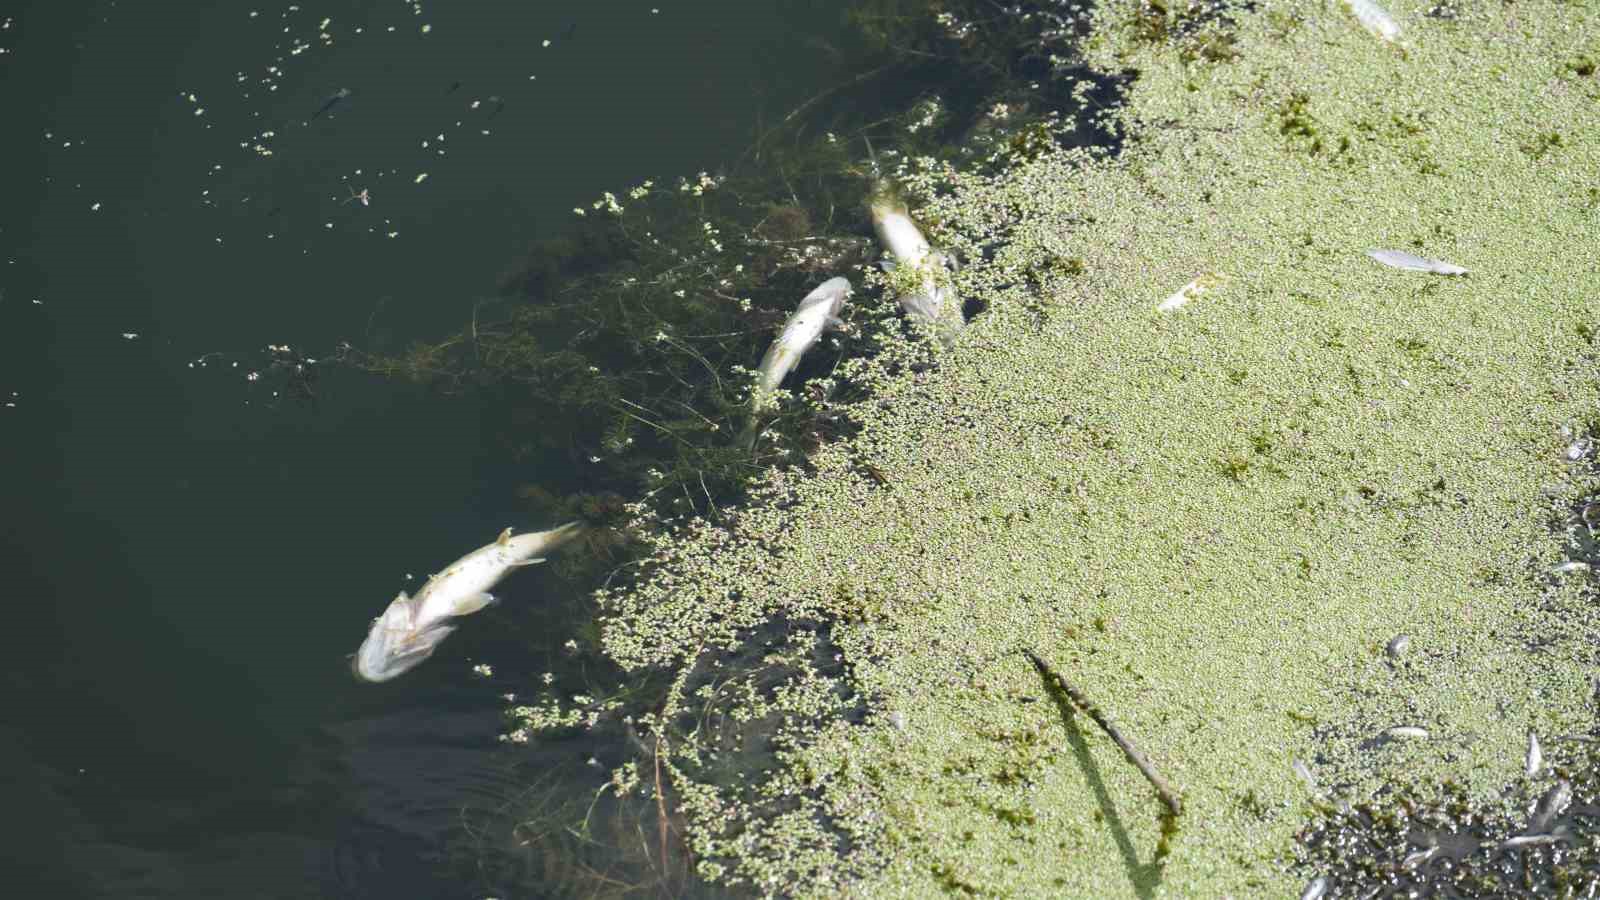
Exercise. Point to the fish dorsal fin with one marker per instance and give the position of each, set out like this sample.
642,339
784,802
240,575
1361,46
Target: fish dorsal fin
505,538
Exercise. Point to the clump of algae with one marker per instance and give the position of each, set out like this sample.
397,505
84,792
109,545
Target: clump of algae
1212,520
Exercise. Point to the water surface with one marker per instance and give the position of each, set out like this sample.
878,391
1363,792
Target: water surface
189,558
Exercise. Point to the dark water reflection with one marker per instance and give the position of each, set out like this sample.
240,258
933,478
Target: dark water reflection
187,562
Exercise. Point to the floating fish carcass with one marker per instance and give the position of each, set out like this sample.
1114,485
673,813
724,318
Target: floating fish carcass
1195,289
411,628
1375,19
1410,262
920,273
818,310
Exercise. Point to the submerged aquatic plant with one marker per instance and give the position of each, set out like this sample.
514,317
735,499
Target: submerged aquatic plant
1438,842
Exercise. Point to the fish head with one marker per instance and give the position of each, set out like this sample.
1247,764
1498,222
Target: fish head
387,654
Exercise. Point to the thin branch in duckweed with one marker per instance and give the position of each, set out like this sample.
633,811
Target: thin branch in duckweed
1164,788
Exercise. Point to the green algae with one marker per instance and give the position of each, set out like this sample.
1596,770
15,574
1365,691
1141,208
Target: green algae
1213,519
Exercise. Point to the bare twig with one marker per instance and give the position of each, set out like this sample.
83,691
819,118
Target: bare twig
1164,788
661,811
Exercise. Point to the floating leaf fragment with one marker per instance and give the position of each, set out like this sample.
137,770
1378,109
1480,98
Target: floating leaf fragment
1399,259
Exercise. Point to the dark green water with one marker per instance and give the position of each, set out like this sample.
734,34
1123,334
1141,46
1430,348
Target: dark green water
186,562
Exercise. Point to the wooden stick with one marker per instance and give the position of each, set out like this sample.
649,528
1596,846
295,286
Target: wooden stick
1164,788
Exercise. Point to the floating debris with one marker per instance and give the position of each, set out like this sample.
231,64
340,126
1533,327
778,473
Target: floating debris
332,101
1164,789
1534,758
1577,450
1199,287
1400,259
1375,19
1316,890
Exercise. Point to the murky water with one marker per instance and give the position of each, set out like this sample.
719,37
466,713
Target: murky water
188,557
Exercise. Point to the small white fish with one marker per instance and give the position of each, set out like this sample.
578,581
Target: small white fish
1527,840
1316,890
1534,758
1195,289
818,310
1400,259
1407,732
1304,771
411,628
1570,567
1552,804
1418,858
1375,19
1397,646
903,240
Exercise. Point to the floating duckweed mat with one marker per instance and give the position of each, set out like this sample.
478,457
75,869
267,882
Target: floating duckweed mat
1212,520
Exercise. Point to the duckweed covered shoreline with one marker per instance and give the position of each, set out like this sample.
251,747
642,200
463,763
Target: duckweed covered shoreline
1212,519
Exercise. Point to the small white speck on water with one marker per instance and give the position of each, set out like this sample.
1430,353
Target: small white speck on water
94,207
546,43
420,178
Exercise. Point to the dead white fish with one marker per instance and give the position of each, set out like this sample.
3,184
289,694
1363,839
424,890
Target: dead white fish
1304,771
1552,804
1418,858
923,271
818,310
1195,289
411,628
1400,259
1407,733
1523,841
1570,567
1397,646
1316,890
1375,19
1534,758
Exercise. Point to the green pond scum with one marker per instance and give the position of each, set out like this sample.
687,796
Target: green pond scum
1215,520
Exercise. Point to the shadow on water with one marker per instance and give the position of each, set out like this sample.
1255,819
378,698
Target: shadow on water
1144,877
